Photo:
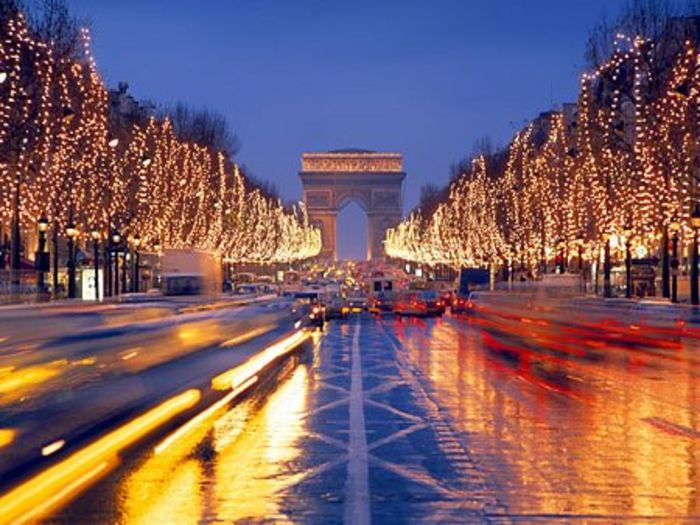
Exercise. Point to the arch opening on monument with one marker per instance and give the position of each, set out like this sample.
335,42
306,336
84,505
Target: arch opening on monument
374,180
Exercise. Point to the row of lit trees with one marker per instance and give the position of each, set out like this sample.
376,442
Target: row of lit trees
615,175
61,160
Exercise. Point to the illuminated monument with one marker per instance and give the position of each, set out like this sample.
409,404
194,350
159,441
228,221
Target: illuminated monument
373,180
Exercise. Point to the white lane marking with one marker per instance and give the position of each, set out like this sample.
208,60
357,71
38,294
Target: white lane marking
357,484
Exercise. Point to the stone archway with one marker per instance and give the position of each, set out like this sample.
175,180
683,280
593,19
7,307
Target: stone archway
373,180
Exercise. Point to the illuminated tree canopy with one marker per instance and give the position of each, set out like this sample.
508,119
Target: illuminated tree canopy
622,164
60,157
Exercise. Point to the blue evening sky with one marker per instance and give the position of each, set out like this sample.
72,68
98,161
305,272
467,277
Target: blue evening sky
426,78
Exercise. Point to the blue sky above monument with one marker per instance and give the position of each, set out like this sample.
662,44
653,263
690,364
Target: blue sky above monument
423,78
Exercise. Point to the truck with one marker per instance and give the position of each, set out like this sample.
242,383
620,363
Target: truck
471,279
190,272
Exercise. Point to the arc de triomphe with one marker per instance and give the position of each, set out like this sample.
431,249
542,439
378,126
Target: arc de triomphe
373,180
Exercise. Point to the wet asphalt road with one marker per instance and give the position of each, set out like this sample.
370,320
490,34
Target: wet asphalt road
428,420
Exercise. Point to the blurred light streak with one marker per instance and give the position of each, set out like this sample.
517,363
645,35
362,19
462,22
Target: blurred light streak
7,436
52,447
204,415
240,374
16,380
131,354
253,470
62,481
247,335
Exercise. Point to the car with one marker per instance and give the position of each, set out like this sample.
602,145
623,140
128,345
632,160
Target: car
447,296
408,303
419,303
381,303
245,290
336,305
434,304
316,311
463,304
357,302
459,305
264,288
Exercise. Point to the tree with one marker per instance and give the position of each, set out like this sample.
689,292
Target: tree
430,196
645,18
203,126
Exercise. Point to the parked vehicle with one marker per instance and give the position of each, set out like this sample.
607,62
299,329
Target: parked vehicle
264,288
190,272
182,284
245,290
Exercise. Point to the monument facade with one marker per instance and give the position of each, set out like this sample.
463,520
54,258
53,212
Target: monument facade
373,180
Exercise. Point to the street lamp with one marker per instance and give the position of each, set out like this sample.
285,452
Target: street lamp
674,226
158,247
95,235
116,239
607,285
628,261
136,242
113,143
71,233
41,258
579,244
695,225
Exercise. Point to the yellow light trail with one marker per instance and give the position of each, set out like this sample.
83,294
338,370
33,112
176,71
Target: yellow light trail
46,491
240,374
204,415
7,436
247,336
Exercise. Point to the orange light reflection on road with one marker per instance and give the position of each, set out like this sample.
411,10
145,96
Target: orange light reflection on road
16,382
605,427
7,436
57,484
226,469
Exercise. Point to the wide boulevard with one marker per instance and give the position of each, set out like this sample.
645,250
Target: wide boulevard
520,412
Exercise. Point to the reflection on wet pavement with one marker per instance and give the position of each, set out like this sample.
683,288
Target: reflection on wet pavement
439,420
595,434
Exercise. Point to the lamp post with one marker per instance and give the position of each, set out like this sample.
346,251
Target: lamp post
695,225
54,259
674,226
628,262
665,266
579,244
95,235
41,258
607,286
136,242
107,265
157,248
71,233
116,239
